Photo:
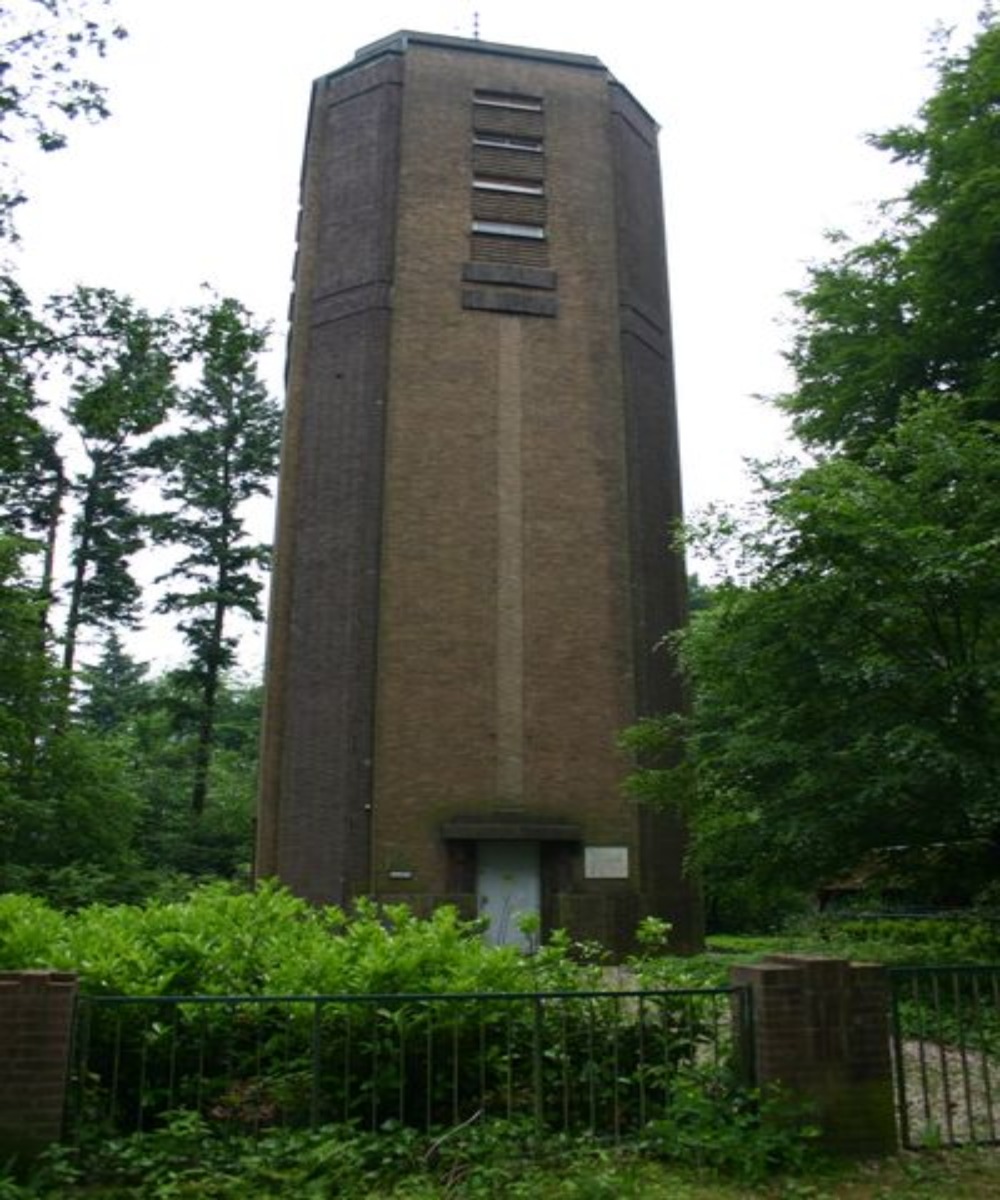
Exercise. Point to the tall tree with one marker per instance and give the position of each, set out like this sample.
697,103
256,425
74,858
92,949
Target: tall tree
846,676
225,454
847,691
33,479
916,310
121,367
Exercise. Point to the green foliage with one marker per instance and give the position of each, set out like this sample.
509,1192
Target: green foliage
226,942
746,1134
185,1161
97,808
162,733
592,1062
42,46
120,364
87,798
902,941
31,471
847,691
116,689
63,798
965,938
846,672
189,1159
26,679
917,309
225,455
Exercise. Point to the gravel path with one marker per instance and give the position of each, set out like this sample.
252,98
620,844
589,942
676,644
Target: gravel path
952,1094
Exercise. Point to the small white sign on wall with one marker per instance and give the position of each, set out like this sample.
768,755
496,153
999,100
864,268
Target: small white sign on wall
605,862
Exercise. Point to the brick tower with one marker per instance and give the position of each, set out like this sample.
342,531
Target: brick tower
479,472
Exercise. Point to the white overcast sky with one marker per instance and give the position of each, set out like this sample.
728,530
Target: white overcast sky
763,106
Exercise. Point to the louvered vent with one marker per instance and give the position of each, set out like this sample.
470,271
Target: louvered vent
508,184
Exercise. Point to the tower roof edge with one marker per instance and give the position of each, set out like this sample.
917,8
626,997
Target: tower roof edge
400,41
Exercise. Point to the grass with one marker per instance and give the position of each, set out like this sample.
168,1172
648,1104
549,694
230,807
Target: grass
892,941
959,1175
189,1160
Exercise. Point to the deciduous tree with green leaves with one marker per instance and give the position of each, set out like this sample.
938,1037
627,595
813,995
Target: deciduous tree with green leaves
43,87
917,308
847,690
846,675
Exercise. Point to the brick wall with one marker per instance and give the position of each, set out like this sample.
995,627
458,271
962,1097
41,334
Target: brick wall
471,569
820,1028
36,1021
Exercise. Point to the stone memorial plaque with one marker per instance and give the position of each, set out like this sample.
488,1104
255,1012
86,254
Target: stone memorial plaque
605,862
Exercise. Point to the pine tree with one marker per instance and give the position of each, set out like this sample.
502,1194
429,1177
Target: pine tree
225,454
120,362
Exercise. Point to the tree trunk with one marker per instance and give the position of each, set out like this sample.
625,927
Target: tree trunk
81,560
55,507
209,696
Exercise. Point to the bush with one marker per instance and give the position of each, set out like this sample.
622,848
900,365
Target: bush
904,941
741,1132
223,942
189,1159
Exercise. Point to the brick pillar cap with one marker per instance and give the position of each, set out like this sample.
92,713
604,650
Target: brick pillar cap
803,960
768,974
37,978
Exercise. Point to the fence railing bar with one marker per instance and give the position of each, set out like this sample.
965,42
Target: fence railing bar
346,1058
932,971
945,1031
428,1074
564,1061
922,1052
455,1076
591,1069
942,1057
368,998
316,1049
200,1073
600,1060
641,1057
401,1054
141,1095
80,1049
899,1069
482,1060
985,1049
616,1071
957,1000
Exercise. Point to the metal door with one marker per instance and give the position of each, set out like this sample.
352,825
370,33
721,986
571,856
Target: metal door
509,887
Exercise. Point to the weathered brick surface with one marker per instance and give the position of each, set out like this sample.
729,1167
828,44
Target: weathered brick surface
316,757
820,1028
471,571
36,1021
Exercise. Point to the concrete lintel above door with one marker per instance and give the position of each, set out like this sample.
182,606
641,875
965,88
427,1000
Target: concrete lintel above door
510,827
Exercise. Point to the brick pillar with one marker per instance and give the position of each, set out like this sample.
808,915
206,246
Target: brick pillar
36,1023
820,1028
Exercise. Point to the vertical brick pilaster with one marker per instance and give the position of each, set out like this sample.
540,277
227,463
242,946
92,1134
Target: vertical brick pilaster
36,1023
820,1028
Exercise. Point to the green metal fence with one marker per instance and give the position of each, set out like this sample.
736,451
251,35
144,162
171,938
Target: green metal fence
946,1054
604,1062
